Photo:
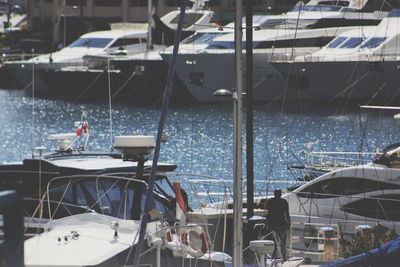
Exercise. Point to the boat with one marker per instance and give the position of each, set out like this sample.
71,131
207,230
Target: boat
366,60
98,240
120,36
301,31
71,159
103,209
73,63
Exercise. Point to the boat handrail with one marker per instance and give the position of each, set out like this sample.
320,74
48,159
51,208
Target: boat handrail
207,189
316,240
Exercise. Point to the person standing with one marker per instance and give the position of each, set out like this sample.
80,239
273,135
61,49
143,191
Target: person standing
278,220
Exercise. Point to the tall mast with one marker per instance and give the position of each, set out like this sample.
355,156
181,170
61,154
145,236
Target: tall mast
237,143
149,24
249,110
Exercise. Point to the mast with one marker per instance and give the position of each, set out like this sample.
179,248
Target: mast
249,110
149,24
237,143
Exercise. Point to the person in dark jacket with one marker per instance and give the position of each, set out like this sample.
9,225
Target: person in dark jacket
278,220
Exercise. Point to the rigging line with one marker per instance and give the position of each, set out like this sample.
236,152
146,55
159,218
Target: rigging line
149,206
33,106
109,102
90,85
349,87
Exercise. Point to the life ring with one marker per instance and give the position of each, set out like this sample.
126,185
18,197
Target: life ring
195,242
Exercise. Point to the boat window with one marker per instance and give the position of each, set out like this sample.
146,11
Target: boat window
373,42
352,42
273,23
227,45
319,8
202,38
289,23
336,42
221,45
303,42
383,207
91,42
127,41
394,13
164,187
334,3
343,186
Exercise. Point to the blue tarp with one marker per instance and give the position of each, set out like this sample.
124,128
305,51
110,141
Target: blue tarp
387,255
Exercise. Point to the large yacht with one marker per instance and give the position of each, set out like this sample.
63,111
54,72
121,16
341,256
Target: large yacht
362,194
70,62
303,30
359,66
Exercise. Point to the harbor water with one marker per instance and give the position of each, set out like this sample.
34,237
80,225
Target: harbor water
199,138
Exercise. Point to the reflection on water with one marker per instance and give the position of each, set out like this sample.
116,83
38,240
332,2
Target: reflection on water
199,138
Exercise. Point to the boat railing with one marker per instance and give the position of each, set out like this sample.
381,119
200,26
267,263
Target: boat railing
17,57
316,241
367,57
330,160
208,190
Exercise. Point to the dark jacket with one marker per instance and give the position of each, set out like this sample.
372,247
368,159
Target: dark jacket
278,213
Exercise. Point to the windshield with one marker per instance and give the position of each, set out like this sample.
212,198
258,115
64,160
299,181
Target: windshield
117,197
91,42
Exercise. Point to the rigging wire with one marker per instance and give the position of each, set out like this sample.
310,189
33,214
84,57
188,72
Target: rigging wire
109,102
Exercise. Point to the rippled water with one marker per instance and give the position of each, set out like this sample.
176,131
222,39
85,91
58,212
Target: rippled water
200,137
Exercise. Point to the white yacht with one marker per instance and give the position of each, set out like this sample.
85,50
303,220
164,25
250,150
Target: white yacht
122,39
303,30
361,66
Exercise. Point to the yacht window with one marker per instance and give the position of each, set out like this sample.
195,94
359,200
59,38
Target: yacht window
334,3
336,42
201,38
289,23
127,41
394,13
343,186
108,3
304,42
383,207
319,8
373,42
227,45
352,42
91,42
221,45
273,23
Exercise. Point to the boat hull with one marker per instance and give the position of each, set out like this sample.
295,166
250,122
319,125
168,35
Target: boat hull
203,74
360,82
